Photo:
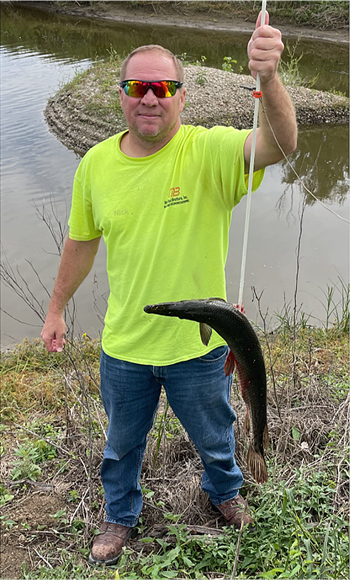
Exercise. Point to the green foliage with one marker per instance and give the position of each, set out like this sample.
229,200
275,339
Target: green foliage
30,454
201,75
289,68
27,356
5,496
298,535
285,319
337,306
7,522
229,65
184,59
114,56
322,14
73,496
73,567
61,516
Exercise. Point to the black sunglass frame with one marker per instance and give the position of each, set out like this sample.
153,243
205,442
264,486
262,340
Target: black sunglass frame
177,84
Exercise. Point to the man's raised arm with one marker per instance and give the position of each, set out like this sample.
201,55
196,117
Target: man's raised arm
264,51
76,262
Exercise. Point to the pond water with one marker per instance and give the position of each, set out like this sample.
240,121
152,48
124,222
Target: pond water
39,53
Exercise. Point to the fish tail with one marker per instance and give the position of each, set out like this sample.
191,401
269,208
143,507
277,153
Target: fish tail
246,422
256,465
266,439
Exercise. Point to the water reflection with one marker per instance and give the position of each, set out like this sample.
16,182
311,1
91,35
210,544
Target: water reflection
76,38
322,158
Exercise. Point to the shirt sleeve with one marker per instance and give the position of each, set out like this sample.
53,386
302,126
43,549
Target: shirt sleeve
81,219
228,159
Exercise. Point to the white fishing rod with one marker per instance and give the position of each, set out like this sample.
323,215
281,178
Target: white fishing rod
251,171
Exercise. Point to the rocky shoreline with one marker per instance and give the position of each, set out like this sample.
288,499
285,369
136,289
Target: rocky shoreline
87,111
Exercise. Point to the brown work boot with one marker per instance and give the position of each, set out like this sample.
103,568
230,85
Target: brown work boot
108,543
235,511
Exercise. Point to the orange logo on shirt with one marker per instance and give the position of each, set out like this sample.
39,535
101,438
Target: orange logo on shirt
174,192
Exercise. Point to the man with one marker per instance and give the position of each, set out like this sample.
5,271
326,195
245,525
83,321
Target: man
161,194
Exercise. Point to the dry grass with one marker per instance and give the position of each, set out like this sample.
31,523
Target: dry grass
308,422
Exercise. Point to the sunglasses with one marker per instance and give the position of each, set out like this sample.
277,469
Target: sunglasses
161,89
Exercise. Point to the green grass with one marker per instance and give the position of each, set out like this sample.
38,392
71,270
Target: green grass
301,513
299,534
318,13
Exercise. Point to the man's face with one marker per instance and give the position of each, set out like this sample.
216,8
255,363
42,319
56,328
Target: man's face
150,118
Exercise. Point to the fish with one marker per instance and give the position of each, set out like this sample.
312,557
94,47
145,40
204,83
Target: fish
245,356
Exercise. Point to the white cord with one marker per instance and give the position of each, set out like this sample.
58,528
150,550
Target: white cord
298,176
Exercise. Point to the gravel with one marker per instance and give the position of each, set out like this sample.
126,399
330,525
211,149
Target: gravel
86,112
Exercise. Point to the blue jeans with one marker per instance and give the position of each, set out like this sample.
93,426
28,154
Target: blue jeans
199,393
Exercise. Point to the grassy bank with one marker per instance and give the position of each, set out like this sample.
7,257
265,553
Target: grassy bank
53,427
321,14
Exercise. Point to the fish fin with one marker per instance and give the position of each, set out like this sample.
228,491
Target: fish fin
256,465
216,299
246,422
266,439
230,363
205,332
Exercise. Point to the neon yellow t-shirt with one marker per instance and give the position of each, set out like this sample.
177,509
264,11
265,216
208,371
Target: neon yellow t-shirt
165,220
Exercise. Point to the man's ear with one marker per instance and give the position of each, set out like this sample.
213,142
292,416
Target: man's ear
182,100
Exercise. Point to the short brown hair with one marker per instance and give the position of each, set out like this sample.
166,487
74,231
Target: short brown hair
150,48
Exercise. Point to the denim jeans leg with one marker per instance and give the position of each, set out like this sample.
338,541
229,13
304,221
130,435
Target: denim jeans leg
130,395
199,394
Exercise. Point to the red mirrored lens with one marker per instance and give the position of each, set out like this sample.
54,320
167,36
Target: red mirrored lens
161,89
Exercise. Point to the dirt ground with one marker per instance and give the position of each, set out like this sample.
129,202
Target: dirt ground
36,510
172,16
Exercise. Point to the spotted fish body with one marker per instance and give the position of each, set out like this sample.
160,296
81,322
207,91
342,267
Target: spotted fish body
245,356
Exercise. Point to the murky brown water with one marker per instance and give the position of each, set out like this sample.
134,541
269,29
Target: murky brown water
40,52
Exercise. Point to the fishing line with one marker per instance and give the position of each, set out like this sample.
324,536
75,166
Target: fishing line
251,172
257,94
298,176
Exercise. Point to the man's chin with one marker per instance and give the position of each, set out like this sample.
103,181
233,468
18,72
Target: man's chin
153,134
150,136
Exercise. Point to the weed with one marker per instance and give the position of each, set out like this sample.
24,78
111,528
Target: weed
5,496
25,467
228,65
286,317
7,522
301,513
184,59
337,306
113,55
30,454
73,496
68,568
202,74
289,69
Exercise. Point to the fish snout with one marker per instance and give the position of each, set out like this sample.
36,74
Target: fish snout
160,308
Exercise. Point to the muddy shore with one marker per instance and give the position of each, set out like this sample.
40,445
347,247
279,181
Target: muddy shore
174,17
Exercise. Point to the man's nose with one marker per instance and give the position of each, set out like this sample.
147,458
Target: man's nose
149,97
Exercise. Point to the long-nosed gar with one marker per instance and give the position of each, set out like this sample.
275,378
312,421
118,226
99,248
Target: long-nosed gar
245,356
